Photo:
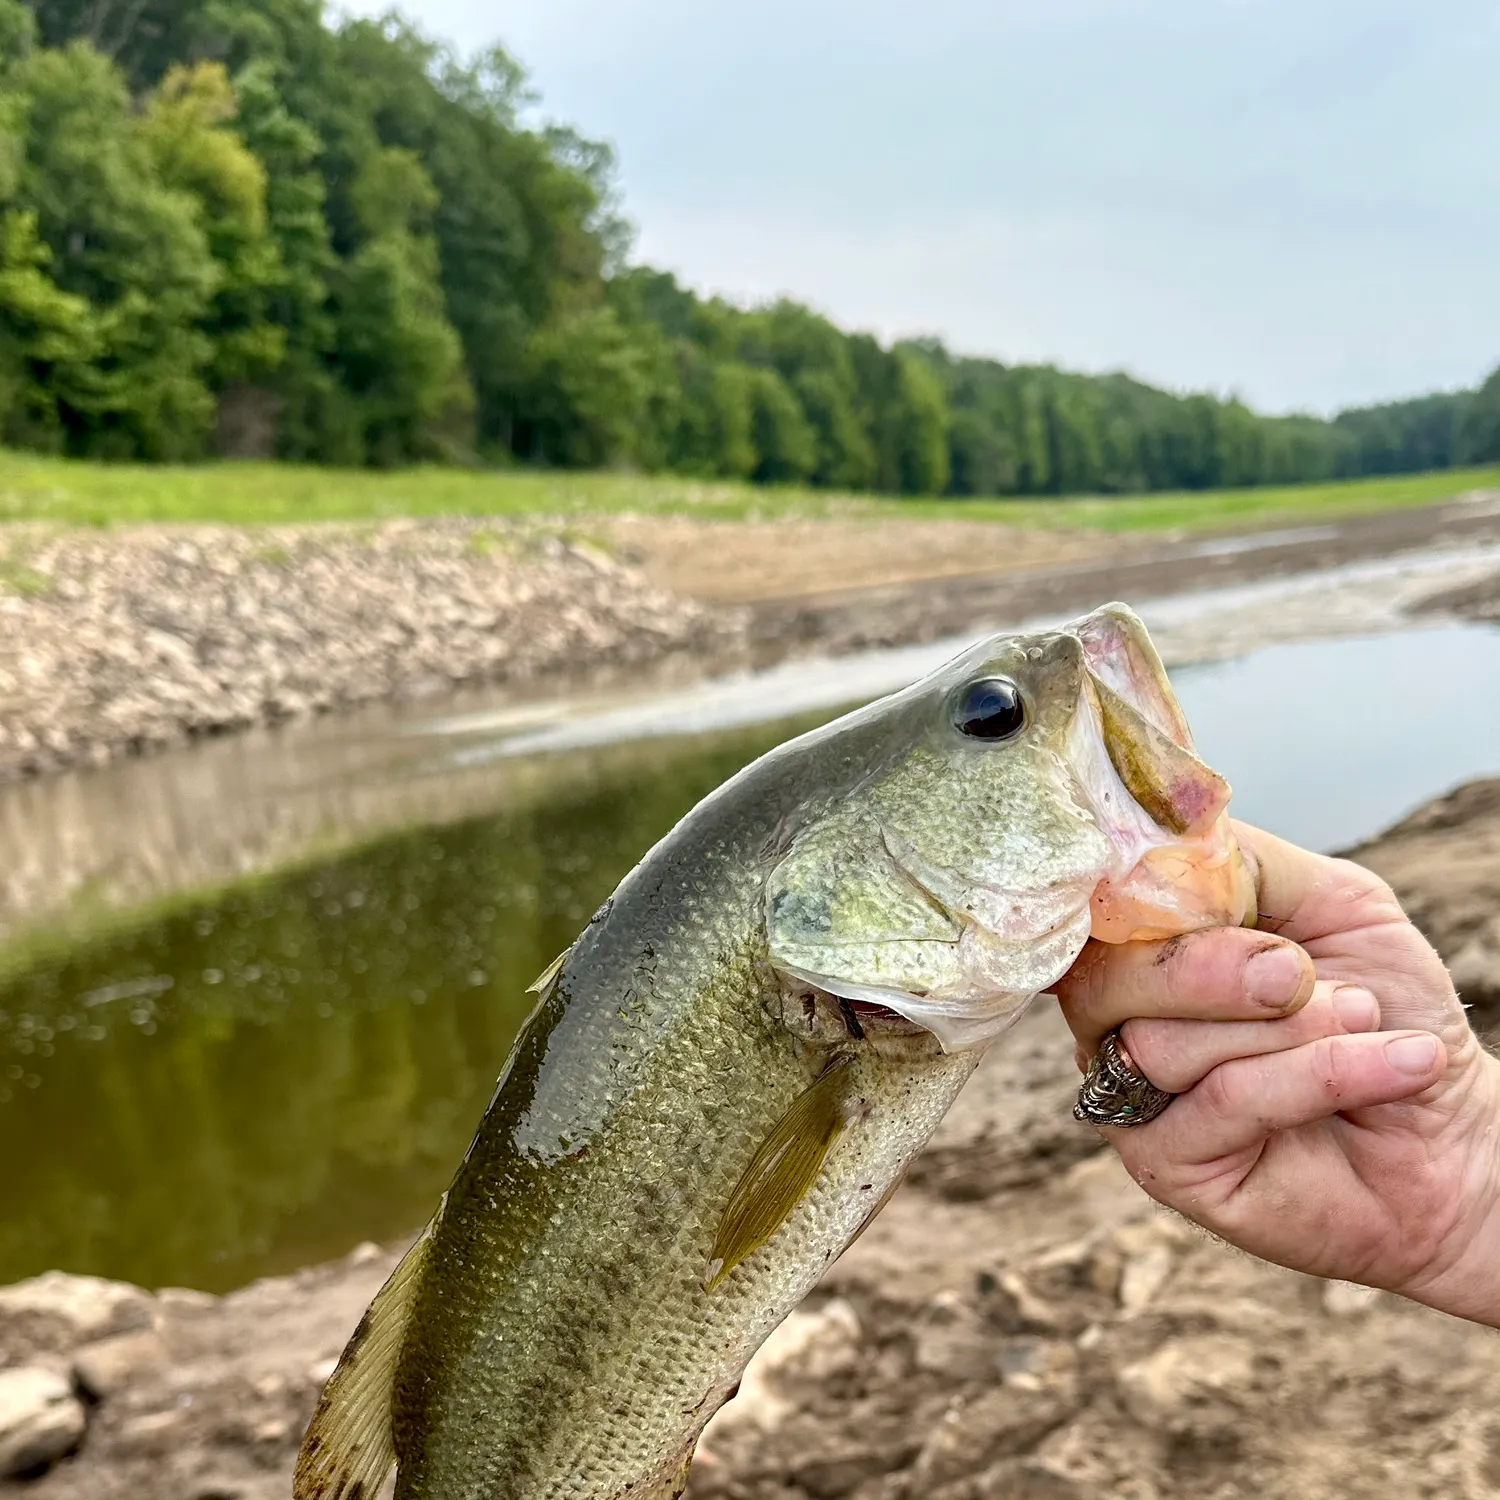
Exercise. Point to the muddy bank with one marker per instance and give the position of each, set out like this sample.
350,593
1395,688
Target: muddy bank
1020,1324
132,640
123,641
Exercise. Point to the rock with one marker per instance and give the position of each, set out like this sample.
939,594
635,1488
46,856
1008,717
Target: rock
109,1366
1030,1311
40,1419
1143,1277
998,1424
142,642
815,1342
952,1339
1031,1479
54,1313
1031,1363
1189,1386
839,1469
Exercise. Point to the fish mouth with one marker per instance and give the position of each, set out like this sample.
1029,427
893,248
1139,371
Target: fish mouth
865,1016
1176,865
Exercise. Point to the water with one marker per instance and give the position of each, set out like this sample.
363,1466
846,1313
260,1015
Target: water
204,1077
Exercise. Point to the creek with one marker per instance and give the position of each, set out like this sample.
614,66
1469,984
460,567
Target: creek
254,996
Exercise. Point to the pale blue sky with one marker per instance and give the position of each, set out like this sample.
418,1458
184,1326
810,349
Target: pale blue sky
1295,199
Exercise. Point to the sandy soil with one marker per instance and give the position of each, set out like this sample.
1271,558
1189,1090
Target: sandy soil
734,562
1020,1324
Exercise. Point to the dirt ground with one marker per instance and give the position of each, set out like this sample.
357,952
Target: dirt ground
829,587
1020,1324
735,562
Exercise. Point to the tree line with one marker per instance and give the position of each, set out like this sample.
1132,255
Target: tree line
242,227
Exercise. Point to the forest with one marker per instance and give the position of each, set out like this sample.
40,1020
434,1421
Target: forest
247,228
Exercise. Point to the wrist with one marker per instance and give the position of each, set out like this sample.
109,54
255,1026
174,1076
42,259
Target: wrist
1463,1275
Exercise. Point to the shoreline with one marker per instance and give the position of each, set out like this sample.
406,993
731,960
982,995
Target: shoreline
125,642
1020,1321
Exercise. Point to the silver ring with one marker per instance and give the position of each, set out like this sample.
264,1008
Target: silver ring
1114,1093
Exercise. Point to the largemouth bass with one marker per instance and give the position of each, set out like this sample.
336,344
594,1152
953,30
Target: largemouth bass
728,1072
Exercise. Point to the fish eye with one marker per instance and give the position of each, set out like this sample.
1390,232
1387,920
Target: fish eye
990,709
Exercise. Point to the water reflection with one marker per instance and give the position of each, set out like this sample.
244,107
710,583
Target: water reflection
248,1084
252,1076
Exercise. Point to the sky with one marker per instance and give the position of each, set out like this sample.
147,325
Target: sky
1297,201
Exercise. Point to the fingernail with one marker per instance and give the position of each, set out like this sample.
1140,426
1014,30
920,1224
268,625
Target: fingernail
1273,977
1356,1008
1412,1054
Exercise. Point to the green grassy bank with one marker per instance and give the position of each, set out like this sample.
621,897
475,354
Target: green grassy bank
78,493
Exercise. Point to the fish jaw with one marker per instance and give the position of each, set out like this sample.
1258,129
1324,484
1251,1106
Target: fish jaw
1177,866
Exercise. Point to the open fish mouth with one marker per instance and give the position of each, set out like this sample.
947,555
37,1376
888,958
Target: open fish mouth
891,919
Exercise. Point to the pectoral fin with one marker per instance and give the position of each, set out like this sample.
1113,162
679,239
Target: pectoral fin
782,1170
1176,790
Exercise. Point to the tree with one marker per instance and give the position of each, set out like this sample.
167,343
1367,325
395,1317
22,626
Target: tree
981,456
186,127
786,448
599,392
1479,436
399,354
127,245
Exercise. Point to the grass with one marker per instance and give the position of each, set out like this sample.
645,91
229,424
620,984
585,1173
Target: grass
74,493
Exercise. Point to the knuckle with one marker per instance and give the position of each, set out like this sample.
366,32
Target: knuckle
1203,965
1369,895
1080,989
1223,1093
1154,1048
1328,1067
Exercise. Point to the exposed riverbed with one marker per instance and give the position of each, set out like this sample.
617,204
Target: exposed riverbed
254,995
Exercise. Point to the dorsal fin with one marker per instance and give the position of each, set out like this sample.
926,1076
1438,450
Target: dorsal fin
349,1449
544,981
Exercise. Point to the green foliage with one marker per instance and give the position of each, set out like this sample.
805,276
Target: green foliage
185,127
1478,436
785,445
399,354
251,227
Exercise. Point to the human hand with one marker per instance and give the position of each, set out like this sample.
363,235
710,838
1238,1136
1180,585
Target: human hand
1338,1114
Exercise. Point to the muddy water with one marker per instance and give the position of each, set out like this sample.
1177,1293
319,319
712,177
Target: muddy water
205,1076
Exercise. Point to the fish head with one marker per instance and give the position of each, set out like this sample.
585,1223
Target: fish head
1037,790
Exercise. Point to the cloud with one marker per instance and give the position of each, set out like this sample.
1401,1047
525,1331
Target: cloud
1293,198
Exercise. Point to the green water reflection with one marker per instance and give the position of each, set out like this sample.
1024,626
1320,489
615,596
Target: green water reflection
259,1080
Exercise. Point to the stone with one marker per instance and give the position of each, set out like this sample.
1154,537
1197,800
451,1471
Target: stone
141,643
54,1313
955,1341
834,1472
1000,1423
1030,1311
1143,1277
1031,1479
1190,1386
109,1366
40,1419
817,1342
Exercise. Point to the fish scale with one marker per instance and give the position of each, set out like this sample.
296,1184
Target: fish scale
735,1062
